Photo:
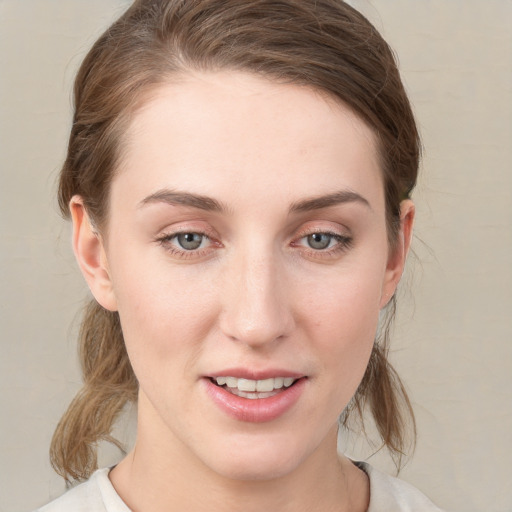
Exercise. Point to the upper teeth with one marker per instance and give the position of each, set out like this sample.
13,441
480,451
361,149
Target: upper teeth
255,385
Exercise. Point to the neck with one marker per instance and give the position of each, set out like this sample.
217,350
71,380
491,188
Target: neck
161,476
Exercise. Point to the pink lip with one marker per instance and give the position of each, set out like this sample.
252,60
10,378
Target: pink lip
258,410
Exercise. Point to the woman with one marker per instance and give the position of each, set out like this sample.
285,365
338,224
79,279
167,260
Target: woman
238,177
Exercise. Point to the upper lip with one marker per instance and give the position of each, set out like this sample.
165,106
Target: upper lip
245,373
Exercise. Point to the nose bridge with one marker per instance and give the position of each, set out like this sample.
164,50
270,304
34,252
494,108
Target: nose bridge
256,309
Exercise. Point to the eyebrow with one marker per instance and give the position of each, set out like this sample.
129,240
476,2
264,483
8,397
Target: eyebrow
172,197
206,203
340,197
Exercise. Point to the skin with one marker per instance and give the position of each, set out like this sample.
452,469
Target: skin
255,294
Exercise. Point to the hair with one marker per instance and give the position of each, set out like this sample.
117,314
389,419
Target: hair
322,44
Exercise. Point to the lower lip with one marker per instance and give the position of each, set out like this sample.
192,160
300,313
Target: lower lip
257,410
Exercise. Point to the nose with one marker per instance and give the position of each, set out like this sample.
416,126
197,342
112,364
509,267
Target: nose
256,300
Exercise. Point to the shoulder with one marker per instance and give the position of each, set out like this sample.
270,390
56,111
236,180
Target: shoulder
95,495
389,494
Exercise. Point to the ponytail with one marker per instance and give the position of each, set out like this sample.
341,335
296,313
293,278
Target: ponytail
109,383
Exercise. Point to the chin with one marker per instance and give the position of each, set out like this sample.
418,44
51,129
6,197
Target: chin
258,461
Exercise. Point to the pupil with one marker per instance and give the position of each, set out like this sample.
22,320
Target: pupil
190,241
319,240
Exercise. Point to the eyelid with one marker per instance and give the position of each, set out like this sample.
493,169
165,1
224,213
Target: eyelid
327,228
201,228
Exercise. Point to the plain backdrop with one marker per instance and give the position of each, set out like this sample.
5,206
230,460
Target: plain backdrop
453,336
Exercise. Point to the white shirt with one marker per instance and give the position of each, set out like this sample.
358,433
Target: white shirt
387,494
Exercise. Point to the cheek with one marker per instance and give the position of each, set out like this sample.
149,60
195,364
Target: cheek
343,321
347,347
349,334
347,303
165,314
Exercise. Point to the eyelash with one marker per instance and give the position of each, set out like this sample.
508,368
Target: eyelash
343,243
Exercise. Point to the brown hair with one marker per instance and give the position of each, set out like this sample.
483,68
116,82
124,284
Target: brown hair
322,44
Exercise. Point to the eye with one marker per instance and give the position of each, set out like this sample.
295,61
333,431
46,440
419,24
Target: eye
185,243
319,241
189,241
323,243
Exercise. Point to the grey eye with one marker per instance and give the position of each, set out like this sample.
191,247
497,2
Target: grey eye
319,241
190,241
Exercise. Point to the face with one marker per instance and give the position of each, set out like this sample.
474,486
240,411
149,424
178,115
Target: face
247,255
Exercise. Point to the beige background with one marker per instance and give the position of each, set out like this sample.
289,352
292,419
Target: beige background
453,343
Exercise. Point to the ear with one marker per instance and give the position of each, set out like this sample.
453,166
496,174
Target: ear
398,255
90,255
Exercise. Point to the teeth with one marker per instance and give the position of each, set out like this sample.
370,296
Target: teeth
278,382
246,385
231,382
250,386
265,385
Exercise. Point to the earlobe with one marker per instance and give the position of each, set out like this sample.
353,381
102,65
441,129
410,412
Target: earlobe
397,257
90,255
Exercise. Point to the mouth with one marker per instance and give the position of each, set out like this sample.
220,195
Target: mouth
255,400
254,389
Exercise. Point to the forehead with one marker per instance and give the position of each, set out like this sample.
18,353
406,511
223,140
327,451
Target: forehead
214,133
